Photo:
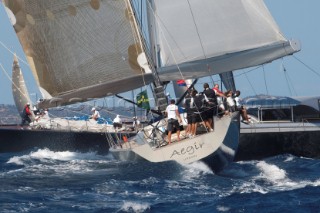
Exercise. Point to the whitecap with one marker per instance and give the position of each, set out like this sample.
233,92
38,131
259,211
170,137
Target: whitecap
223,208
289,158
195,170
45,160
46,154
278,179
135,207
271,172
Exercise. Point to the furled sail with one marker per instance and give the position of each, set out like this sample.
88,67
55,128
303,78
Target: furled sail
79,49
19,89
225,35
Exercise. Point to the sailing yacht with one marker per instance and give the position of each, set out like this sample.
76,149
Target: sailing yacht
79,50
281,125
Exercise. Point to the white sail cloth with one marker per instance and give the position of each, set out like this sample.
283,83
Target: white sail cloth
193,34
79,49
19,89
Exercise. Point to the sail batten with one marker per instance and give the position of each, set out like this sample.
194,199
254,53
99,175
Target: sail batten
75,45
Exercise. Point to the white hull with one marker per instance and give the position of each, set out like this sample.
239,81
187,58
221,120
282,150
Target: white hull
223,140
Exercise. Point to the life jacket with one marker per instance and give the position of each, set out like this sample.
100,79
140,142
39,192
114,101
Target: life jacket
198,101
187,102
211,95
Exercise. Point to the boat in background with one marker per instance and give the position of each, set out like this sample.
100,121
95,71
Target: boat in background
19,89
280,125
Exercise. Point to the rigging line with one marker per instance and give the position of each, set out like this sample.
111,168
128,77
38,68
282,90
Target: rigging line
290,81
13,53
197,30
314,71
137,35
265,80
286,77
161,26
165,39
245,74
10,79
200,41
143,43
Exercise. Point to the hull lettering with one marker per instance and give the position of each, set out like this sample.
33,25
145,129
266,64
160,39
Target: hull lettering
189,150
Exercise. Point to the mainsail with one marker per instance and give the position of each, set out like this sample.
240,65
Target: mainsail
201,38
79,49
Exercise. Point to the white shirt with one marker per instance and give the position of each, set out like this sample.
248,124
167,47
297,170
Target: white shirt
117,119
171,111
237,99
96,114
230,101
45,115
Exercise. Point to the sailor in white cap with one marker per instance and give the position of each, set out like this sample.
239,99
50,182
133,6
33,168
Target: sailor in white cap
95,114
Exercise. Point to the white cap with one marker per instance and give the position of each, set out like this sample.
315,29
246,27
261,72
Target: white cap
28,104
93,109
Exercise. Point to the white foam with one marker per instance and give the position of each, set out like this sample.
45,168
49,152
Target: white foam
223,208
60,162
249,187
271,172
195,170
289,158
278,179
145,194
43,154
135,207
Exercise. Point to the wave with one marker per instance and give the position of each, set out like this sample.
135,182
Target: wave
277,175
137,207
45,161
46,154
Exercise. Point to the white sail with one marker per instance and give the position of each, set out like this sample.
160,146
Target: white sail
19,89
79,49
223,34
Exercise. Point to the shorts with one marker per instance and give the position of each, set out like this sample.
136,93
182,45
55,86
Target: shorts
173,123
189,118
117,125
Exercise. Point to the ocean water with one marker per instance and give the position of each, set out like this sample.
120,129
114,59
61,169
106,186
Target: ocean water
46,181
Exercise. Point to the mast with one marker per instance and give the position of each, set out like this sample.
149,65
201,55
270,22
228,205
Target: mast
158,90
228,80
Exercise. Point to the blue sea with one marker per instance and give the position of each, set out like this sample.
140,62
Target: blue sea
46,181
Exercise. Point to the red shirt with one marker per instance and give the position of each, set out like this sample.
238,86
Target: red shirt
216,90
28,110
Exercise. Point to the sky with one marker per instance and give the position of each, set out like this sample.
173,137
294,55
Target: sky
297,75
